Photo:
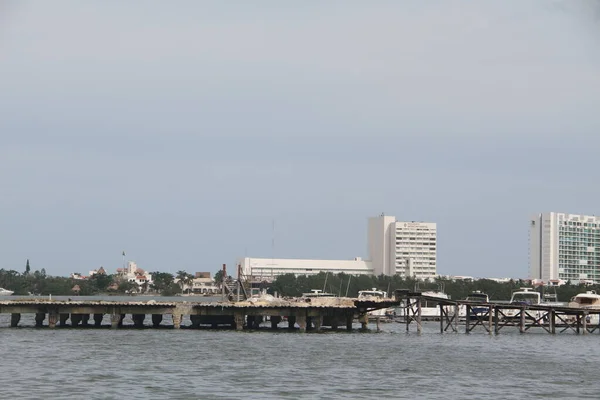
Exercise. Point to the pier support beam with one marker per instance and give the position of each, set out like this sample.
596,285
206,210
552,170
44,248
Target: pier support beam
275,320
363,318
14,319
349,320
116,321
584,318
419,313
39,319
156,320
552,321
467,318
490,320
238,318
63,319
291,322
98,320
138,320
85,318
176,320
317,322
301,320
496,320
75,319
52,319
522,320
195,321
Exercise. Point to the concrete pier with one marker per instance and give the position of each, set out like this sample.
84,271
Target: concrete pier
314,315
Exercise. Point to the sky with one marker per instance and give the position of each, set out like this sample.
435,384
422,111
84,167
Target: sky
189,134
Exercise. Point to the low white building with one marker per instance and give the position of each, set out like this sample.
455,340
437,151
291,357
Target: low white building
395,248
265,268
133,273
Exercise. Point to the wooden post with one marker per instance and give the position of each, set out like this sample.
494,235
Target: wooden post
443,317
456,314
490,320
496,320
522,320
584,322
377,323
467,317
407,313
578,322
552,321
419,327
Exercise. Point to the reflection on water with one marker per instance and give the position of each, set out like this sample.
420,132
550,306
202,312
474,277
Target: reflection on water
225,364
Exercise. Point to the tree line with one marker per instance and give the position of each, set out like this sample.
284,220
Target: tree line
290,285
39,283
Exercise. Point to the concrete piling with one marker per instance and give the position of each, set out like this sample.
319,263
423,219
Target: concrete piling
14,319
98,320
39,319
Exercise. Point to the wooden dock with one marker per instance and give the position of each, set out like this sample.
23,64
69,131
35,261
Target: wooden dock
306,314
497,316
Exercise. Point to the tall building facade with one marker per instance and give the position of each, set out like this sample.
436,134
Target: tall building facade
564,246
404,248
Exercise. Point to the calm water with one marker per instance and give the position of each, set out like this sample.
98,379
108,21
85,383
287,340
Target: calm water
222,364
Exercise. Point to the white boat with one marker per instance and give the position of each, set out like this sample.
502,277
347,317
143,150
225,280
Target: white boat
375,296
318,293
587,300
5,292
475,297
430,309
526,297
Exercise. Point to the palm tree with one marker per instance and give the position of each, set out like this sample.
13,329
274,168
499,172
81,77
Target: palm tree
184,279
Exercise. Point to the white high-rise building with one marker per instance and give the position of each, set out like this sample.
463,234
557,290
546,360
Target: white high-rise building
564,246
408,249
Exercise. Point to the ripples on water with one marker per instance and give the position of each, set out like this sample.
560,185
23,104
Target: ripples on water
224,364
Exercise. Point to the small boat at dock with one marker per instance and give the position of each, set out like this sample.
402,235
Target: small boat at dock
5,292
318,293
524,297
375,296
476,297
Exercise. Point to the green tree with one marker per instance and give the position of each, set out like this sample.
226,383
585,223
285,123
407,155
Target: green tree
27,268
184,279
161,281
218,278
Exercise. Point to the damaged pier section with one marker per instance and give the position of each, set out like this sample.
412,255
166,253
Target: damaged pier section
295,314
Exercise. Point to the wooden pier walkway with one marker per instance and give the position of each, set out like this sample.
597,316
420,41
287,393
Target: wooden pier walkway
548,318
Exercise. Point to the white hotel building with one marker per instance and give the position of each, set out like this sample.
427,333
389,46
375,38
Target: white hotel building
564,247
395,247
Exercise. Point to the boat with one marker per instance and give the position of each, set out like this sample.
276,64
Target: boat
588,300
430,310
318,293
524,297
476,297
375,296
5,292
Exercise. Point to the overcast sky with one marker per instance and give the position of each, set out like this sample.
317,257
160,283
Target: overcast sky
179,131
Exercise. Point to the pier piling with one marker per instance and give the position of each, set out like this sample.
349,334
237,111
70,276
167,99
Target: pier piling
39,319
156,320
14,319
98,320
